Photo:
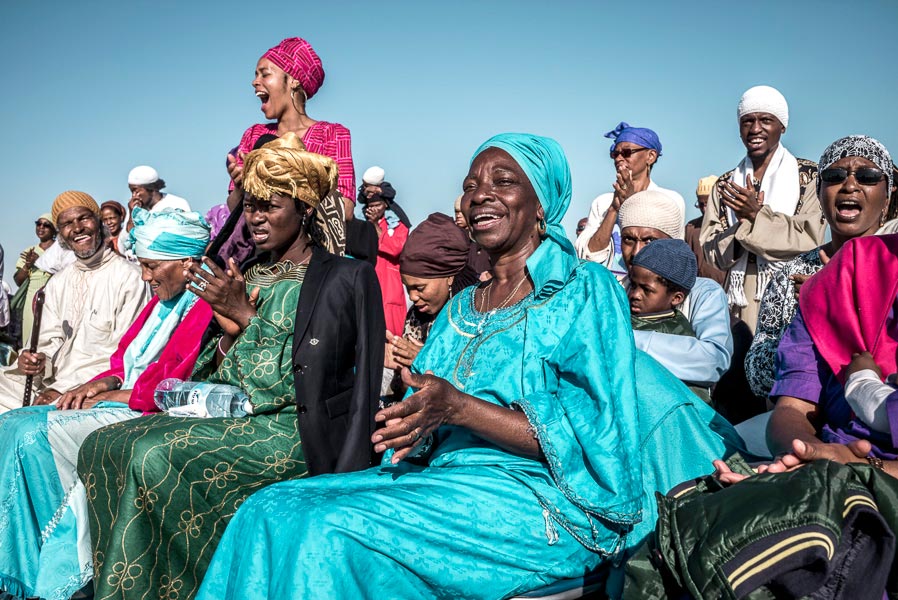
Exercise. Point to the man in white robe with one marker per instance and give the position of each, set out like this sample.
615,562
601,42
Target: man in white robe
88,307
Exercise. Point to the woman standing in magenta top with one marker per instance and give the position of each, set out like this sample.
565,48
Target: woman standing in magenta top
286,77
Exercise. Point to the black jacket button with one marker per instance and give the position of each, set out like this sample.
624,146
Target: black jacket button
301,409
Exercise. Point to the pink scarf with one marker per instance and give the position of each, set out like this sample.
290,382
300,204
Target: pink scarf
846,305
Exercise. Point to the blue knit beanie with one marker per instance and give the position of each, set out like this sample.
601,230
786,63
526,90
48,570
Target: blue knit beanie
671,259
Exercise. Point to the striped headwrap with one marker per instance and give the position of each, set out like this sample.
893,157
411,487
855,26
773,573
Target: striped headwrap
297,58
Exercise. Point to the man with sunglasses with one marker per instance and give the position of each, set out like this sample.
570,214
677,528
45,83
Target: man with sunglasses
763,212
634,150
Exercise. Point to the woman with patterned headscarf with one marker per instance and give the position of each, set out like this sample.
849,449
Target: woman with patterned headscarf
161,490
287,76
538,451
43,528
852,210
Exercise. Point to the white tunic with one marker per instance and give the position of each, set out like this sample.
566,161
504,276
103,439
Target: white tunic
88,308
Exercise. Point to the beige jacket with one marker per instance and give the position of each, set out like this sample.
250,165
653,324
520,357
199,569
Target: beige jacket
773,236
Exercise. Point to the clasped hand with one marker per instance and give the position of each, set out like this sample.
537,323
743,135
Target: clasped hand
89,394
436,402
31,363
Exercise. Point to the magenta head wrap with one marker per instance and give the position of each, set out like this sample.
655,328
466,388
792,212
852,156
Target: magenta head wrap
297,58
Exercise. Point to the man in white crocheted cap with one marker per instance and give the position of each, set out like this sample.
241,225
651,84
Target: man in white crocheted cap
635,152
764,211
652,215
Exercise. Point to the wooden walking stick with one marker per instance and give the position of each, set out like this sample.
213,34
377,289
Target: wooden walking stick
35,336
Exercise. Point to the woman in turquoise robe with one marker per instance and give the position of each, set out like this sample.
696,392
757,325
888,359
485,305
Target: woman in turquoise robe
537,452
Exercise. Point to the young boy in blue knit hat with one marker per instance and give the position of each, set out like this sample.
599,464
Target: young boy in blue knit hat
661,276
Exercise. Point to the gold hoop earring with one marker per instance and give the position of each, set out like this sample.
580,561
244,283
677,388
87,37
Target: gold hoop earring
541,228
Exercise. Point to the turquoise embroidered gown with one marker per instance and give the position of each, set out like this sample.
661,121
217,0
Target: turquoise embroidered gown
475,521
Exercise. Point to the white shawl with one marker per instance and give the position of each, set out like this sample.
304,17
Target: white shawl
782,192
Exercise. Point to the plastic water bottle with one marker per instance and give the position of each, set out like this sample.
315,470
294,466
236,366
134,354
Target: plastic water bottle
218,399
226,401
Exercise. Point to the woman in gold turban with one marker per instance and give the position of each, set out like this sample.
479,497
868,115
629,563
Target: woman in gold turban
161,490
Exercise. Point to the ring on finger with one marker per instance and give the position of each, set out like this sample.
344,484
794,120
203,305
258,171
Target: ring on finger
201,286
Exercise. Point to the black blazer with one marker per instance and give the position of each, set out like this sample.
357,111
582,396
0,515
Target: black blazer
338,361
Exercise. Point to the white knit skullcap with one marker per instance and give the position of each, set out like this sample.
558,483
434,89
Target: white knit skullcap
763,98
373,176
142,175
653,209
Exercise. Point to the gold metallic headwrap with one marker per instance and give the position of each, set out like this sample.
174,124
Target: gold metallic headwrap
283,166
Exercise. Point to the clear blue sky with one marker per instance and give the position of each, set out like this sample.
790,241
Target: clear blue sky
95,88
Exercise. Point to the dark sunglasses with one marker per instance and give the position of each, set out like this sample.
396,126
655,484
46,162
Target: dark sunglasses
43,224
626,152
864,175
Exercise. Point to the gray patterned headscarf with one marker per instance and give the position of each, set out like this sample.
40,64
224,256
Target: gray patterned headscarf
858,145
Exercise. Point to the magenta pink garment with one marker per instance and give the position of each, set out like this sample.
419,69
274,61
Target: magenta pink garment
177,359
299,60
846,304
327,139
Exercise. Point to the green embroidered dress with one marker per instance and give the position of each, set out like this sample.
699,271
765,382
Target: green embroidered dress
161,489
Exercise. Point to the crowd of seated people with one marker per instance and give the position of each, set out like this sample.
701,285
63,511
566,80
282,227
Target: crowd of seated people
474,406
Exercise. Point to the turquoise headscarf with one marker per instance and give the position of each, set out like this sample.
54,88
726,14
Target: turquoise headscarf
168,234
546,166
162,235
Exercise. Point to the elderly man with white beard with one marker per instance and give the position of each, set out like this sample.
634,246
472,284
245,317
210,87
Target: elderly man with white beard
87,309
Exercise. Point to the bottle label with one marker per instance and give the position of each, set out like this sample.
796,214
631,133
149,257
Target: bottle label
196,395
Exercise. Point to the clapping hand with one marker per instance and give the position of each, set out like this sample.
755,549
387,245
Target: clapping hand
623,187
744,201
404,351
225,291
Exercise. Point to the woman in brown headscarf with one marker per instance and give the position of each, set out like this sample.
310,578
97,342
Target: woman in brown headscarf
434,267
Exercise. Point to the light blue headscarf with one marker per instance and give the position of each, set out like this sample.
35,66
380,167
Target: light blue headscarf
162,235
546,166
168,234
